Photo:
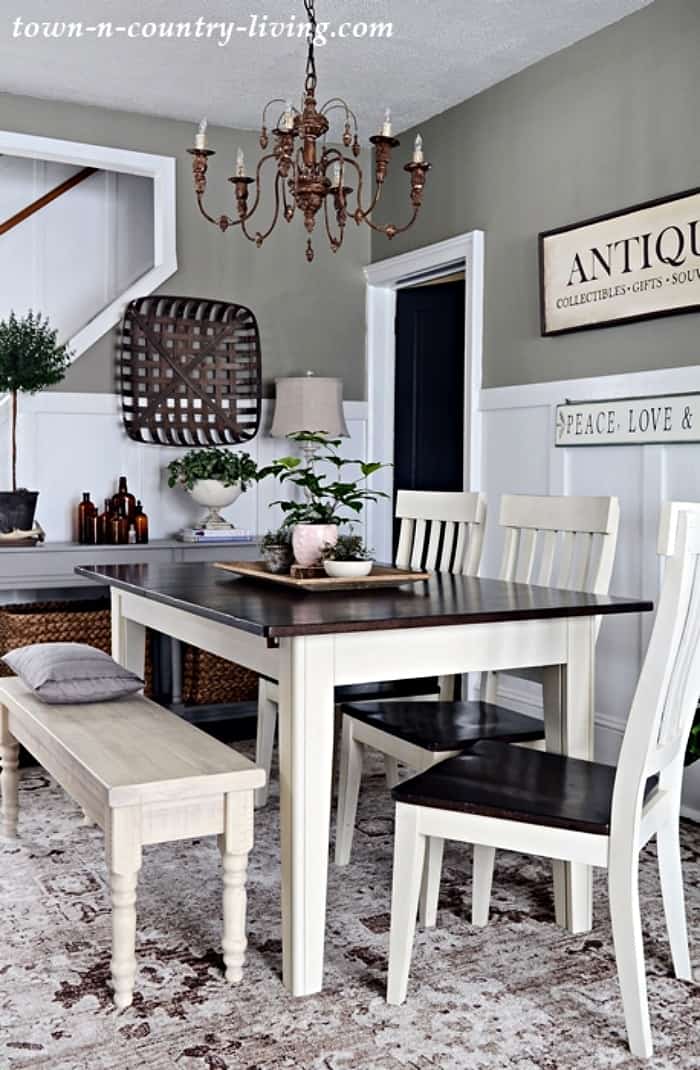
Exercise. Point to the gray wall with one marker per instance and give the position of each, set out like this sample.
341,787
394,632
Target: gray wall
605,124
310,316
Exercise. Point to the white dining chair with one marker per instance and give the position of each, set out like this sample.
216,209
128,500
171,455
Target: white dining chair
496,796
566,542
439,530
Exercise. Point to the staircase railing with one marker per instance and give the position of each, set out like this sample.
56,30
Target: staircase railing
47,198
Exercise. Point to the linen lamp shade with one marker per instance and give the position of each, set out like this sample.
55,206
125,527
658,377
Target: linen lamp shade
309,403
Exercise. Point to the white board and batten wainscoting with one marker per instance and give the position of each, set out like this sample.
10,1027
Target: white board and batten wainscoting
71,442
519,456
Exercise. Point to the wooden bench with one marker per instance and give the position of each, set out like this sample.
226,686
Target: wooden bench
144,776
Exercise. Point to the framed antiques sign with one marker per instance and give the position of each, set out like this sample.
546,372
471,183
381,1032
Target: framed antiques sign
621,267
629,421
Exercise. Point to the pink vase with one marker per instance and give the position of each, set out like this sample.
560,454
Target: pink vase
309,539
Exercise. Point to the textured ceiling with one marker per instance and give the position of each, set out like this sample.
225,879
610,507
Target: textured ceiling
441,52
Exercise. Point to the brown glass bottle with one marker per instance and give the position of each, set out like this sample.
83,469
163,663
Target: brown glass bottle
103,519
87,521
124,503
140,524
118,530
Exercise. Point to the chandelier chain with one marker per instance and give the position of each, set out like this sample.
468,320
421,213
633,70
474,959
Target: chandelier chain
310,83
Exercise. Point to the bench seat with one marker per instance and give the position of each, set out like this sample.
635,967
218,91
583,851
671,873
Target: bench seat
144,776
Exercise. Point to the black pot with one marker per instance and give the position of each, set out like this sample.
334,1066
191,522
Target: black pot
17,509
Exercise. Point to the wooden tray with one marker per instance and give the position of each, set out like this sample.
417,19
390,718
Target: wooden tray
380,576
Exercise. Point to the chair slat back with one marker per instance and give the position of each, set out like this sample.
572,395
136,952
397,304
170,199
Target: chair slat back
441,530
667,692
566,542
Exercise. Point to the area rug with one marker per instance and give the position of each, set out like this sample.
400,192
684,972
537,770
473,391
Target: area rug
517,994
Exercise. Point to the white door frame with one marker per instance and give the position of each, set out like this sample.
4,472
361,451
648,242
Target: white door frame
466,253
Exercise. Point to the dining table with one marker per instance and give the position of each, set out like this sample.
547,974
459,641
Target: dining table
313,642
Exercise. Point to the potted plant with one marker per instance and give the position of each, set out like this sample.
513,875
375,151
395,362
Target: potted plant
315,518
276,549
215,477
30,360
348,558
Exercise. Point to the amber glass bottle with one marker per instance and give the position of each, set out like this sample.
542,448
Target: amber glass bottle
124,503
87,521
103,519
140,524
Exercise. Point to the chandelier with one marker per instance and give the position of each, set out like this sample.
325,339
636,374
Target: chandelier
310,174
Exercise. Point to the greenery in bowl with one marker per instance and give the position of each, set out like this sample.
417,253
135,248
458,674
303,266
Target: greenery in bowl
325,499
279,537
213,462
347,548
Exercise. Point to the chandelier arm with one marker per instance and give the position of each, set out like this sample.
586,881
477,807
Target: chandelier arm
217,222
390,229
363,212
259,237
335,242
258,191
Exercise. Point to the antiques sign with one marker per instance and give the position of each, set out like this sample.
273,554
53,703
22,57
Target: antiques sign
629,421
625,266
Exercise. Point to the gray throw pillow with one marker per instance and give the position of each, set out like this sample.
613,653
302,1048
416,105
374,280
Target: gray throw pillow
61,673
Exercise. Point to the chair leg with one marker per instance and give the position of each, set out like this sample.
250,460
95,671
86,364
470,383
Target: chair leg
489,687
623,885
267,722
430,886
482,878
391,771
409,855
351,754
668,850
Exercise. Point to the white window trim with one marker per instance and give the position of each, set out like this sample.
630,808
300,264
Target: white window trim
161,169
464,252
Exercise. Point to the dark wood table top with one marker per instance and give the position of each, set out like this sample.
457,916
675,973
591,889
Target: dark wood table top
274,613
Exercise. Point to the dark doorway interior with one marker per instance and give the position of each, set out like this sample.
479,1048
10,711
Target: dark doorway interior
429,387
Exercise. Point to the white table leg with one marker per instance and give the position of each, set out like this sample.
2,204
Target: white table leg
128,638
579,739
9,780
306,765
553,702
235,845
123,848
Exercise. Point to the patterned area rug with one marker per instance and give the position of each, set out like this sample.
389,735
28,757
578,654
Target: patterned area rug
518,994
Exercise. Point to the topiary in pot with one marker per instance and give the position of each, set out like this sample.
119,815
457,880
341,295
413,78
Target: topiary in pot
276,549
30,360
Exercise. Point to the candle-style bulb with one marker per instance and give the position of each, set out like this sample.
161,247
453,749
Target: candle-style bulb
335,175
240,163
288,116
418,149
200,138
386,125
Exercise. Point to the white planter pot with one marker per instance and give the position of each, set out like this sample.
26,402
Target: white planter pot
213,494
309,539
347,570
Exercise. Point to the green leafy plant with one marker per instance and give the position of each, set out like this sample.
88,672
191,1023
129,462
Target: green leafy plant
325,499
279,537
30,360
213,462
347,548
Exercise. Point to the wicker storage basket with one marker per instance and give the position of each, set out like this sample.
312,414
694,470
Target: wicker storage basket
207,678
28,623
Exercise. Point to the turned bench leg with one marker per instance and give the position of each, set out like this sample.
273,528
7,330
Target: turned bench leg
235,843
9,780
124,859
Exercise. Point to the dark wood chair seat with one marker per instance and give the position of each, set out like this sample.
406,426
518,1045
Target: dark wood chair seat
438,726
517,784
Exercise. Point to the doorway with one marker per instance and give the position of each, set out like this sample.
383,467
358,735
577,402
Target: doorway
421,382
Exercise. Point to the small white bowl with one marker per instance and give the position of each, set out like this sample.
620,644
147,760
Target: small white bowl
347,570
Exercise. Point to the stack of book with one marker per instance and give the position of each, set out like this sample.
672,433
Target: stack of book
216,536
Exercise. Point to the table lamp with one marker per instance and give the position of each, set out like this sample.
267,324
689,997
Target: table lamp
309,403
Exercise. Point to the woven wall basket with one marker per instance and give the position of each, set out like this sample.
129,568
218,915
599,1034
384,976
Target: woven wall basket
189,371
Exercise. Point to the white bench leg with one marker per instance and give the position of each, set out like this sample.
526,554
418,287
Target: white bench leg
235,844
267,722
124,855
351,754
9,780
